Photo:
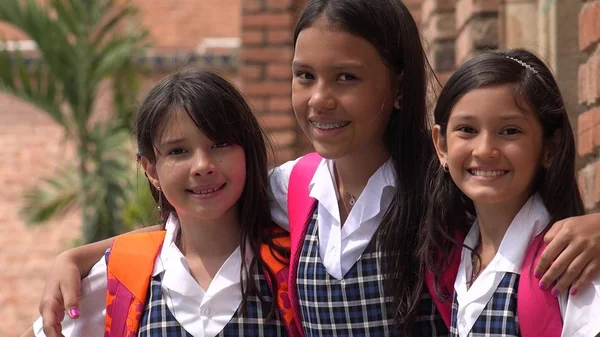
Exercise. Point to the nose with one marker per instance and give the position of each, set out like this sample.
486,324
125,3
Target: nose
485,146
322,97
203,164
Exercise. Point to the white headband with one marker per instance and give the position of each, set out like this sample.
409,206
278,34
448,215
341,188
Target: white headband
523,64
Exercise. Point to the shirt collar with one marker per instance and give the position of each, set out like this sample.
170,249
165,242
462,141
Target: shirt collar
529,222
323,186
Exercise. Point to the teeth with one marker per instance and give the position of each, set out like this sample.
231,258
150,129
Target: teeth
206,191
480,173
329,126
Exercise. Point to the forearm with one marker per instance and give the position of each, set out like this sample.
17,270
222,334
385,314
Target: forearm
84,257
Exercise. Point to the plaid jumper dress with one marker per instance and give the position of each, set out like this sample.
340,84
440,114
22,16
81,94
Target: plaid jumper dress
499,317
158,321
355,305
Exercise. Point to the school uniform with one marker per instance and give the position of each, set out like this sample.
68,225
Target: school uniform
488,307
176,305
340,282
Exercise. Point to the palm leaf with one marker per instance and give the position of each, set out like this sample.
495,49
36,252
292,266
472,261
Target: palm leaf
53,197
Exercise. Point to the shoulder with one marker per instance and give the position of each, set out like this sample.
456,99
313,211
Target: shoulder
582,311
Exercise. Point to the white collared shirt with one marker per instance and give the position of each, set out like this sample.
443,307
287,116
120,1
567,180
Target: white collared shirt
201,313
580,313
340,246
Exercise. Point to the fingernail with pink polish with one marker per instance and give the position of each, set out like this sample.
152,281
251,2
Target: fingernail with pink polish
555,292
74,313
542,285
537,274
573,291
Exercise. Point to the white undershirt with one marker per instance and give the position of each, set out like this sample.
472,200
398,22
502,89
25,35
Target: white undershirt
340,246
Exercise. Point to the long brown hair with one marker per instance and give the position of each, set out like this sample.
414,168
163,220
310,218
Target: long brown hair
221,112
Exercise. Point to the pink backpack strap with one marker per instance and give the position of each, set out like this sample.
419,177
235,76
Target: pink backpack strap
445,307
538,311
300,205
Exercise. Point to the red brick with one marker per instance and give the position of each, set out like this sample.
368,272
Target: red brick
280,104
282,139
583,83
259,105
596,184
278,4
466,9
252,72
267,89
586,178
585,121
279,71
279,36
267,20
594,79
283,155
253,37
278,121
267,54
252,6
585,143
589,25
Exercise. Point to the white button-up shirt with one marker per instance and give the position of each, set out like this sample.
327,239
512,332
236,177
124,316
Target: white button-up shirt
201,313
340,246
581,313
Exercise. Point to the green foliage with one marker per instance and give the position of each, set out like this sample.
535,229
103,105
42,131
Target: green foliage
80,43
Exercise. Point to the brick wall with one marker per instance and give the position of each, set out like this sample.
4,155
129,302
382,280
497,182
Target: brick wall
438,23
589,95
476,27
265,70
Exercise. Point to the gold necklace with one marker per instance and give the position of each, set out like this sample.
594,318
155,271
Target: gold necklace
351,198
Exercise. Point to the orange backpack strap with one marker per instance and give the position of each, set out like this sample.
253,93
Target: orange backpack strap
279,266
129,269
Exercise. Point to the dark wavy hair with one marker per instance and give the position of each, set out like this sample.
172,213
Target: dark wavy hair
449,210
391,29
221,112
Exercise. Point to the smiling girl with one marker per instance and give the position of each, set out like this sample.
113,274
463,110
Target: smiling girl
506,156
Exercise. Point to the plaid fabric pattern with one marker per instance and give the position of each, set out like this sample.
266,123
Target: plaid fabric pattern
428,321
158,321
499,317
355,305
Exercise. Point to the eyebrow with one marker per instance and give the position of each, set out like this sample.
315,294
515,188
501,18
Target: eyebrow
338,65
169,142
464,116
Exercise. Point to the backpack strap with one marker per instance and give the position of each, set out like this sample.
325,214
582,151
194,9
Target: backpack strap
300,205
448,279
129,269
538,311
279,266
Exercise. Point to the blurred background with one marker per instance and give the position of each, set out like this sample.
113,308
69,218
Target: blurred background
73,71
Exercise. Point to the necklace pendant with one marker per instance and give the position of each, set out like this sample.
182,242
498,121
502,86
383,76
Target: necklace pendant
352,201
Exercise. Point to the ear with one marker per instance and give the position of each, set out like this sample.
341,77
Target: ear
151,173
550,148
399,85
439,142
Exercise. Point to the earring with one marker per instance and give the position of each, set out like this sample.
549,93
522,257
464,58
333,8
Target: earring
159,204
445,167
397,102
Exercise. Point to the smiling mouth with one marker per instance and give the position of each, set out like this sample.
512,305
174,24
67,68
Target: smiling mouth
487,173
329,126
206,191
